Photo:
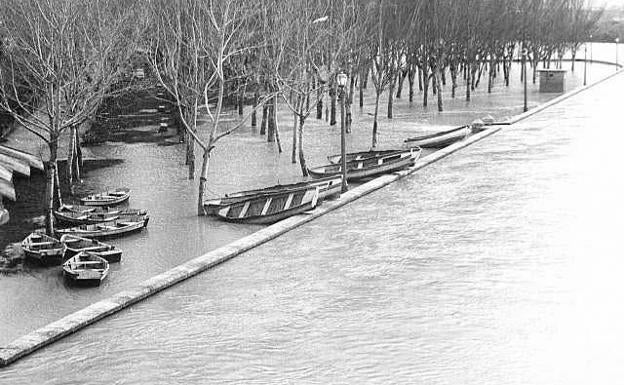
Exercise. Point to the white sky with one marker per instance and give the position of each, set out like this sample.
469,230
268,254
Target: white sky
609,3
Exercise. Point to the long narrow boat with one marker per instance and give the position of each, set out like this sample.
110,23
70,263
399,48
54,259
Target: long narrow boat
440,139
77,245
83,219
111,229
33,161
270,208
361,155
328,187
85,269
108,198
46,250
100,210
86,215
17,165
370,167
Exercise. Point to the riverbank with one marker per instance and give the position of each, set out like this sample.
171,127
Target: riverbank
57,330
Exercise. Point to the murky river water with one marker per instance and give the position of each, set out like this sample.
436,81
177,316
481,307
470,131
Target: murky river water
496,265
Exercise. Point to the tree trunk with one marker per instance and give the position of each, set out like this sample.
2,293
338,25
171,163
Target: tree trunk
468,72
241,100
420,79
254,117
203,179
425,81
71,155
491,75
332,108
271,121
453,80
361,87
190,156
410,79
293,158
391,95
263,124
302,161
438,75
319,105
50,183
349,102
57,183
375,124
276,127
401,79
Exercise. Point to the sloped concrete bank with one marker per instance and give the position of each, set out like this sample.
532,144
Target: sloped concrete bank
93,313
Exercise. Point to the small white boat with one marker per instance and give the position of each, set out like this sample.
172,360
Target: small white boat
108,198
440,139
85,269
76,245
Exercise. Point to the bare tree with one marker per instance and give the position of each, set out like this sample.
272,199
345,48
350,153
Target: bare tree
68,53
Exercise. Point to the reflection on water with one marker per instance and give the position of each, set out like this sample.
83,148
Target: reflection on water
495,265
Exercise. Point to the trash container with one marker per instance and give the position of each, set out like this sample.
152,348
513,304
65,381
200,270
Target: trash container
552,80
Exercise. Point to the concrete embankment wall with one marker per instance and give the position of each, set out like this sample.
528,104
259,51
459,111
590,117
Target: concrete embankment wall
91,314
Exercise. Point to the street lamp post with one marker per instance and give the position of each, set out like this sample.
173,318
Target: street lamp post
341,79
617,64
524,75
585,67
591,48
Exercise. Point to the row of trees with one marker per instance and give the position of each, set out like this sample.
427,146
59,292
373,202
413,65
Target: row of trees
60,58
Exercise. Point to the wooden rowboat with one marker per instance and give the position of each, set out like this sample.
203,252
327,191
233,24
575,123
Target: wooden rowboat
93,214
370,167
85,269
46,250
108,198
111,229
440,139
361,155
328,187
270,208
32,160
77,245
75,218
101,210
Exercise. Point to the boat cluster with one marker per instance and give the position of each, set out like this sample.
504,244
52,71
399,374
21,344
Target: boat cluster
271,204
84,258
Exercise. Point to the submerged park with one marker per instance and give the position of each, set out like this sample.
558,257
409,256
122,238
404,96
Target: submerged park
186,102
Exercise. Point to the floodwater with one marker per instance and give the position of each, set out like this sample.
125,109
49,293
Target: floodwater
496,265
